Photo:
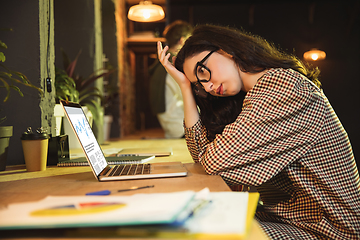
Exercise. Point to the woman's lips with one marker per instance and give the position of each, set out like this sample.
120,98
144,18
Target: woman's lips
219,90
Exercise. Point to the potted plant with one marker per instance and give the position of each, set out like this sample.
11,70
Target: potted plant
8,79
75,88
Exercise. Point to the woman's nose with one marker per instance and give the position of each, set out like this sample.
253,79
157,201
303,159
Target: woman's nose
208,86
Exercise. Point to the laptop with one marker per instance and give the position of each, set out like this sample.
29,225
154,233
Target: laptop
96,158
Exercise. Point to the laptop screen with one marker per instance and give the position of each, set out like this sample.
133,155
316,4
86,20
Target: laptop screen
87,138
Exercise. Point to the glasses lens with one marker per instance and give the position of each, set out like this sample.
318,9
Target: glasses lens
203,73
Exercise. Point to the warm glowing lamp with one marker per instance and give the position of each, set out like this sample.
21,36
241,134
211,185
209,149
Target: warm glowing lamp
314,55
145,11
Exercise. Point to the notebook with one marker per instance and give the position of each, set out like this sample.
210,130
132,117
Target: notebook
96,158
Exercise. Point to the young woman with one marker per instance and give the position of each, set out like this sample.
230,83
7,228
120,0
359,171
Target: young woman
257,117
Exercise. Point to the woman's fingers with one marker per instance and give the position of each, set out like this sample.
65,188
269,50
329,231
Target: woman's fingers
159,47
161,51
179,77
163,57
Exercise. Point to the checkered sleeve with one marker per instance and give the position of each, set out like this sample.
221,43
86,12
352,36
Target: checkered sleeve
280,121
196,139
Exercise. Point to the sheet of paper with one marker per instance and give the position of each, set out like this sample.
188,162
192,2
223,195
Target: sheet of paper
77,211
225,214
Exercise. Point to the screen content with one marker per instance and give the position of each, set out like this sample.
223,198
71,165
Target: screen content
87,138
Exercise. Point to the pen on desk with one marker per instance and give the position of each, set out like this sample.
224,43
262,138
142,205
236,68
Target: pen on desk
135,188
108,192
199,206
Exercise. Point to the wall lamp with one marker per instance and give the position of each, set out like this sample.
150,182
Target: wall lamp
145,11
314,55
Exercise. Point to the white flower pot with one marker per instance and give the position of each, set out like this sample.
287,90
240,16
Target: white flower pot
59,114
107,126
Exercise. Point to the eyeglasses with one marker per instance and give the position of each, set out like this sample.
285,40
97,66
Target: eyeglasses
203,75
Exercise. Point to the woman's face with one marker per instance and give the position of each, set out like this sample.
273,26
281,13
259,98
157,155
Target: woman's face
217,72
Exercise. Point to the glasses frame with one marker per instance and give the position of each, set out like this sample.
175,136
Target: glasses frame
198,88
201,64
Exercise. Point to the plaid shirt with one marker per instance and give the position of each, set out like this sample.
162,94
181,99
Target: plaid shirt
290,145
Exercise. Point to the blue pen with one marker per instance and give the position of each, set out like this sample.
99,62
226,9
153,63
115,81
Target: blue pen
108,192
99,193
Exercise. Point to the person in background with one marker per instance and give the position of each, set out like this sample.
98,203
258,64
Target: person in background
257,116
165,95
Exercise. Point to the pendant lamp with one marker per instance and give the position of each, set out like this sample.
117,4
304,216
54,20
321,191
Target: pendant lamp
145,11
314,55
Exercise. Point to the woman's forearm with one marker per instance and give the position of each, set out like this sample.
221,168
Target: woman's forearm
191,113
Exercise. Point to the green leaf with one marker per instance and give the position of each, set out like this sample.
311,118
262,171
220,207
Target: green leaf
5,75
23,78
17,89
2,119
7,86
2,57
3,45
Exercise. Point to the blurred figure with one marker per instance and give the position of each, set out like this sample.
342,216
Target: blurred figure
165,95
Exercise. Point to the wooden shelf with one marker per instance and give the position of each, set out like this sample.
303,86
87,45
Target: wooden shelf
144,40
143,45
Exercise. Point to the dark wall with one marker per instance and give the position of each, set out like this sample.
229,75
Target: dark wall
22,55
74,32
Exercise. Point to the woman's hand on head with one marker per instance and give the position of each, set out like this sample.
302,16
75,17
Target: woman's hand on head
179,77
191,114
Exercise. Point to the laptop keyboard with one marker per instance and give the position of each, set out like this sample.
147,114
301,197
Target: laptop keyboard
130,169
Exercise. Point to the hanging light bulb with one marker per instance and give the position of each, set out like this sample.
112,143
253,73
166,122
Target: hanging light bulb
314,55
145,11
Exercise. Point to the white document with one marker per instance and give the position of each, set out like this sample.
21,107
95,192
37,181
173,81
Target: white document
225,214
187,213
215,213
85,211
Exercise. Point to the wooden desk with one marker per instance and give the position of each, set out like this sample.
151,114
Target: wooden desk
180,154
17,185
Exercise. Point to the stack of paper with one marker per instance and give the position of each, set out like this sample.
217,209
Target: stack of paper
85,211
179,214
215,215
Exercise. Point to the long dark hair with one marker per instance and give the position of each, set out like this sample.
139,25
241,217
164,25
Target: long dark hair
251,53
